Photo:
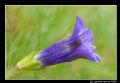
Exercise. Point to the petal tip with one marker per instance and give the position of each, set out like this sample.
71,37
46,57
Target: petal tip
78,20
98,58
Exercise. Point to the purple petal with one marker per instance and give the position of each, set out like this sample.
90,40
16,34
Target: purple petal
86,36
98,57
49,55
79,45
81,52
79,27
86,52
81,33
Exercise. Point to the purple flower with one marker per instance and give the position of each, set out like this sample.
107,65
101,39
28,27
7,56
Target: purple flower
79,45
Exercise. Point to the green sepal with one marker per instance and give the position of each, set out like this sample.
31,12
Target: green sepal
29,63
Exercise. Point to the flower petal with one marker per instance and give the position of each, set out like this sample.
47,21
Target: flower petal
79,27
49,55
86,36
81,33
79,45
98,57
84,52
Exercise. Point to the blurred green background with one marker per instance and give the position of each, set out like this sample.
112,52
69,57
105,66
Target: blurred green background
30,28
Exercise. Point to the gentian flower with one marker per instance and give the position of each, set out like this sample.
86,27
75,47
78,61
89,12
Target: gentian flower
77,46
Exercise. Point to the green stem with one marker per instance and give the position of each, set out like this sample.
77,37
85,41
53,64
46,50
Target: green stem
11,72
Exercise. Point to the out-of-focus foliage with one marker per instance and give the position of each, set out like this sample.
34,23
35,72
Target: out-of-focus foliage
30,28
